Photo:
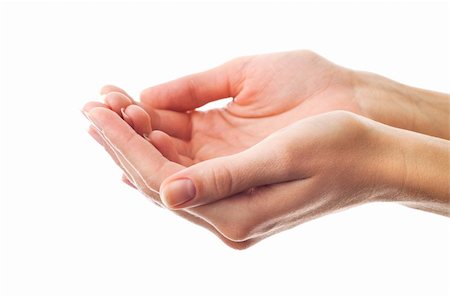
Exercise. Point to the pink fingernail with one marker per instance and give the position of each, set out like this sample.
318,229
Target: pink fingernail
126,117
178,192
146,136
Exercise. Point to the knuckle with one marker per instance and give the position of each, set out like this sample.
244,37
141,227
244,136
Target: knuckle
145,93
283,160
343,117
192,87
222,180
308,53
348,122
287,160
238,61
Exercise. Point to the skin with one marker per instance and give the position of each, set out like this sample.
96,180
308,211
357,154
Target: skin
278,124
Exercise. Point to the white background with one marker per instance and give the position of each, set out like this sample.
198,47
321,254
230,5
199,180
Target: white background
69,227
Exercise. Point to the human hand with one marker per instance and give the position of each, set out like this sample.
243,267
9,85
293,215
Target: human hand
273,90
290,177
147,168
270,92
178,126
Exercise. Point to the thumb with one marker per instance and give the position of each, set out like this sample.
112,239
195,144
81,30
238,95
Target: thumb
196,90
218,178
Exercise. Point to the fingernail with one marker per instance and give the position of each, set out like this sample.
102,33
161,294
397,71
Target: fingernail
88,117
178,192
126,117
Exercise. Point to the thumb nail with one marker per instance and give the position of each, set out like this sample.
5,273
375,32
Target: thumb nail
178,192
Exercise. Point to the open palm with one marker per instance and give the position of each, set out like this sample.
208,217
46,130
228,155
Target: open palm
269,92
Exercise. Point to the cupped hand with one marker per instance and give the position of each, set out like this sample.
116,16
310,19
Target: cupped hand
255,166
288,178
269,92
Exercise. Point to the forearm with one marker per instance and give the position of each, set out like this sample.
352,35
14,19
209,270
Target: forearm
417,168
402,106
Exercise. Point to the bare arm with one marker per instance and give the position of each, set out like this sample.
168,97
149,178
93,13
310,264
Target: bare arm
402,106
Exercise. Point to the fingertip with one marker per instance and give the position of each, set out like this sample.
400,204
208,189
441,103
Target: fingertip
117,101
164,144
105,89
111,88
139,118
127,118
101,117
190,92
157,136
146,95
92,104
178,193
98,112
139,153
163,96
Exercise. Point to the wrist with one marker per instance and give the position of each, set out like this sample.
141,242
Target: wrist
414,169
402,106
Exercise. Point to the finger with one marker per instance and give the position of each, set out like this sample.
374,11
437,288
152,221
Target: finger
182,147
117,101
97,137
176,124
147,161
143,124
164,144
173,123
267,162
129,176
127,181
93,104
171,148
138,119
135,176
131,173
193,91
111,88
